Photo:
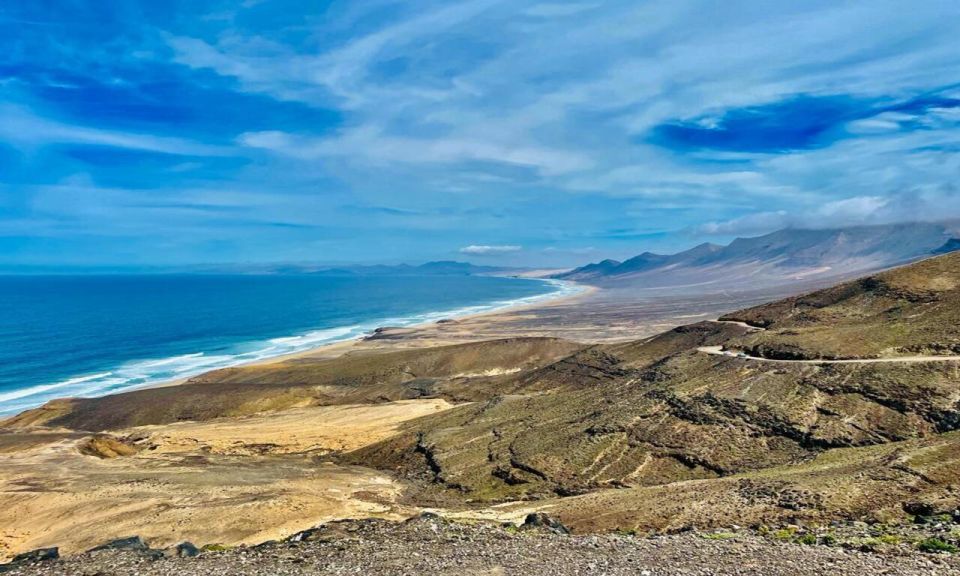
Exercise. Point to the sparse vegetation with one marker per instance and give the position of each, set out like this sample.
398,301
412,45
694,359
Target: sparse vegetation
936,545
784,534
889,539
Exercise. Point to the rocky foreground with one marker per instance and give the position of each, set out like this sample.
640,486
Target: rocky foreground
430,545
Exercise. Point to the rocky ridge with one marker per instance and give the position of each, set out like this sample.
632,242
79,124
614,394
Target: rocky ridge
431,545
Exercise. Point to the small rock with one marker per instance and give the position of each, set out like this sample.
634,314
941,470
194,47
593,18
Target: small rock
186,550
38,555
129,543
541,520
918,508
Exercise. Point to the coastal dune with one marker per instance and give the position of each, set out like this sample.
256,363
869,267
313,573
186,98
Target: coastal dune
225,481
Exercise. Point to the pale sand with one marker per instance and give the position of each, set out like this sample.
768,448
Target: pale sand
319,429
230,481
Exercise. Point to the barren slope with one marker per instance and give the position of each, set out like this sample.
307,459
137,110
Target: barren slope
649,434
910,310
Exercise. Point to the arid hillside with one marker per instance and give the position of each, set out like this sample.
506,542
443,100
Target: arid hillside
656,414
742,421
906,311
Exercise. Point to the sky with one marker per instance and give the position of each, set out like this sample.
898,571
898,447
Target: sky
515,132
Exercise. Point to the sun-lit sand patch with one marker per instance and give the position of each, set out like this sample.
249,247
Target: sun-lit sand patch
226,481
316,429
488,373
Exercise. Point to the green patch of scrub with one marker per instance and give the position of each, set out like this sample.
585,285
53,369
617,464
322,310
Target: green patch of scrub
784,534
936,545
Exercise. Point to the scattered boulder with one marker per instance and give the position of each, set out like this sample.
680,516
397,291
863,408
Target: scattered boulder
918,509
134,543
38,555
31,557
383,332
305,535
185,550
539,520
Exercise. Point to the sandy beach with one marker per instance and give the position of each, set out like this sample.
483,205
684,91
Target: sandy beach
434,333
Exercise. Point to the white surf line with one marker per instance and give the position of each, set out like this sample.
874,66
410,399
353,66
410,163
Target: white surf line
140,373
719,351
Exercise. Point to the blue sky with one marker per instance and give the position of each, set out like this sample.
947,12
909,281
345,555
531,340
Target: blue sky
516,132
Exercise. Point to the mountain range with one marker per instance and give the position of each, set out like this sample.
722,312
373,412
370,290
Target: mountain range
783,256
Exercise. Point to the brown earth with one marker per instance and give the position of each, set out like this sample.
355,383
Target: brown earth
642,434
234,480
906,311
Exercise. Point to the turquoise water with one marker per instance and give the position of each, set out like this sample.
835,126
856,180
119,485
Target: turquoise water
63,336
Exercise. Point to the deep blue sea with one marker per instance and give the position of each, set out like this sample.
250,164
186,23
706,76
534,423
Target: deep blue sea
65,336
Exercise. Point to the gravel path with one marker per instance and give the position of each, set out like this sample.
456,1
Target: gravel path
437,548
719,351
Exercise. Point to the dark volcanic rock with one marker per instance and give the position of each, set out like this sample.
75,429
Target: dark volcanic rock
919,508
543,521
38,555
31,557
129,543
185,550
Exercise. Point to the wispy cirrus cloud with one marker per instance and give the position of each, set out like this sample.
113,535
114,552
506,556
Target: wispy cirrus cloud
559,9
648,125
20,127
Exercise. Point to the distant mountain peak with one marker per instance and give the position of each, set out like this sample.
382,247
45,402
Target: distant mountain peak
778,257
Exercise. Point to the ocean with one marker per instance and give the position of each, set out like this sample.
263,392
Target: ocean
81,336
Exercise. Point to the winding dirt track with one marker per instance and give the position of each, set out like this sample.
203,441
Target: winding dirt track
730,353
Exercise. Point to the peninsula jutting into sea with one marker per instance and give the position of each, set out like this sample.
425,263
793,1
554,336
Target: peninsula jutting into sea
479,288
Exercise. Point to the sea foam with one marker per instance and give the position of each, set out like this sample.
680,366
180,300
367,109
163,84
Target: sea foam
152,371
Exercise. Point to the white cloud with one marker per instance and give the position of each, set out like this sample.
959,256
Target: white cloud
578,111
27,130
913,205
559,9
366,144
484,250
435,104
756,223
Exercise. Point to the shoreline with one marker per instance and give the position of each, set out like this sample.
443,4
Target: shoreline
339,346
